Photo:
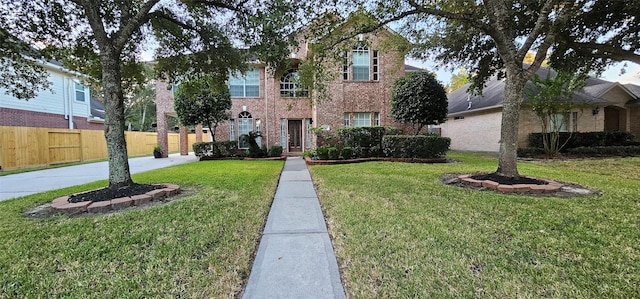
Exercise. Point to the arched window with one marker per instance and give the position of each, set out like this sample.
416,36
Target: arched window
360,62
290,85
245,125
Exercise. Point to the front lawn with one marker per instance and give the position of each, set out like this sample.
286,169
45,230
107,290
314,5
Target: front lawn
198,246
400,233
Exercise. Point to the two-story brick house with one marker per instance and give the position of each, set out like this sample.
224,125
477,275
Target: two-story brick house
284,114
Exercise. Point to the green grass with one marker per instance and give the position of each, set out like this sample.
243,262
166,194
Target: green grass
400,233
198,246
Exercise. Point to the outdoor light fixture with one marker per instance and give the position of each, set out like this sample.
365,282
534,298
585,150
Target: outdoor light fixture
596,110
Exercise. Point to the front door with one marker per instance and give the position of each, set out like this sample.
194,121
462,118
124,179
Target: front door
295,135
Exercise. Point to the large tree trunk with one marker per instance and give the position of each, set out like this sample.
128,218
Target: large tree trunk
513,93
119,174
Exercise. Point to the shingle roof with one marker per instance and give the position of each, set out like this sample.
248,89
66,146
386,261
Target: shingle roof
493,93
635,89
411,68
97,108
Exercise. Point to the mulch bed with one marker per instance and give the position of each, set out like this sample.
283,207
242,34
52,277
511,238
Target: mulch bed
112,193
504,180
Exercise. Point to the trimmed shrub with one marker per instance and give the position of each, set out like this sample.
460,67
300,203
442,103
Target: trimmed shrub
347,152
275,151
220,149
420,146
334,153
365,141
322,153
326,138
309,153
530,151
586,139
604,151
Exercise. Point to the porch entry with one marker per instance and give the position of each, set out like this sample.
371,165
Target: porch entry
295,135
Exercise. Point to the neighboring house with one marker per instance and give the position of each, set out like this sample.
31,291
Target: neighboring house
276,107
474,122
68,104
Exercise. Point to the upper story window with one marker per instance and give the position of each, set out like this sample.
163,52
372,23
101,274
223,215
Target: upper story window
360,63
290,86
247,86
79,89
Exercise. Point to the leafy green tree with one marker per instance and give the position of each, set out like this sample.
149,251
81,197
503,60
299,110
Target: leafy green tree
203,101
140,107
492,37
21,76
458,80
551,99
419,99
104,39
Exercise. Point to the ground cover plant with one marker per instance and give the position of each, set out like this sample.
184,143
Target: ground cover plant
199,245
400,233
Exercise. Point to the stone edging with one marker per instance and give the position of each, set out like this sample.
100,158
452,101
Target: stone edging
550,187
360,160
62,204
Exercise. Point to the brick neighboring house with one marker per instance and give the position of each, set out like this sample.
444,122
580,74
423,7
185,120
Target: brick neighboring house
359,95
69,106
475,121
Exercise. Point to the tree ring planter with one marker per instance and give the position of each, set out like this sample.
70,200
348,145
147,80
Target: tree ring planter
62,204
536,187
530,185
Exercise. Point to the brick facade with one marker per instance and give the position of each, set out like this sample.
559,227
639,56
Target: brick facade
24,118
292,117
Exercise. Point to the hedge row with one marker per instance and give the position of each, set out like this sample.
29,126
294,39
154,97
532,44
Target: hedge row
587,139
365,142
394,146
220,149
605,151
229,149
403,146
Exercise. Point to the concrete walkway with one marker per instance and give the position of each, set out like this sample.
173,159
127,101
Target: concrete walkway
295,258
32,182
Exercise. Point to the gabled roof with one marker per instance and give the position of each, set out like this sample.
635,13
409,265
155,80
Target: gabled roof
461,101
412,69
635,89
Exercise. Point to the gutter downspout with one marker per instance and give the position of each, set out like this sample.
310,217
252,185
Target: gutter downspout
65,102
69,98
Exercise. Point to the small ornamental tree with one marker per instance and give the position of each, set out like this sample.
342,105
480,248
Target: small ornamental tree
551,99
419,99
203,100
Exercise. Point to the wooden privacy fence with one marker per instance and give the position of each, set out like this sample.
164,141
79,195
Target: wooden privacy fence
22,147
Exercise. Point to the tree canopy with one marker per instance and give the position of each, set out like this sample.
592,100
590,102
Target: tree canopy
458,80
492,38
419,99
203,101
104,39
22,76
